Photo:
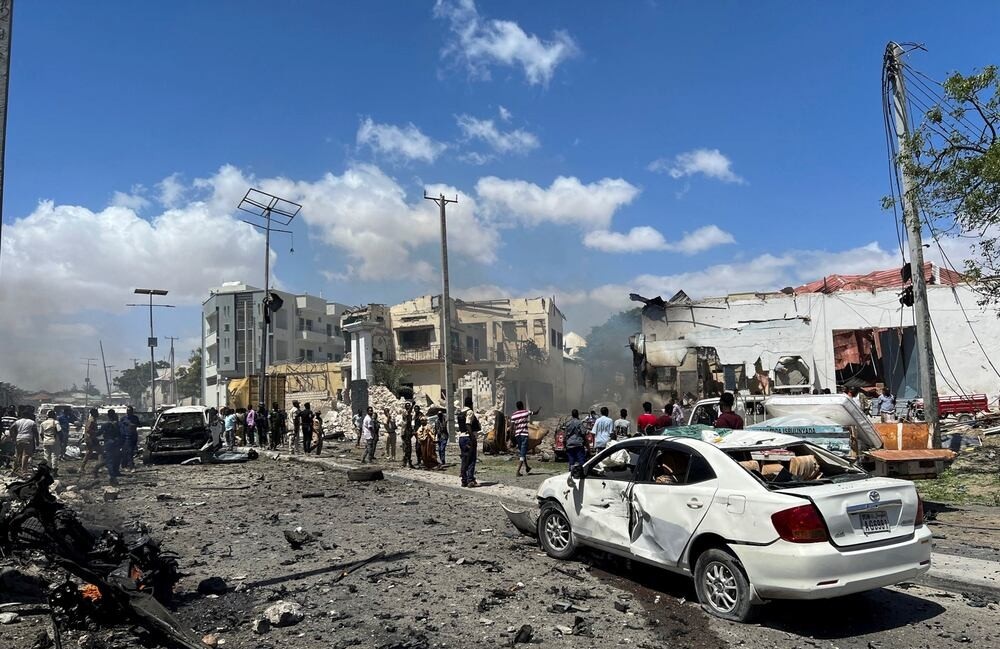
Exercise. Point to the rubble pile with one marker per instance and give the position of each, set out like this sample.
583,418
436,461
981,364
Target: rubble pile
93,578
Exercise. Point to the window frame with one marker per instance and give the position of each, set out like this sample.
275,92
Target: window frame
646,470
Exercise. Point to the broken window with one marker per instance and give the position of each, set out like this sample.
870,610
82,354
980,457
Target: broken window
617,463
672,465
415,339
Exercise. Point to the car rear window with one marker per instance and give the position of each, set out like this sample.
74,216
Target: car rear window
794,464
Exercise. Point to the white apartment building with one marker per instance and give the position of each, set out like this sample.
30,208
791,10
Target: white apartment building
305,329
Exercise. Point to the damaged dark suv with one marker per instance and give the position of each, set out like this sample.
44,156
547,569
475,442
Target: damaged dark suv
177,432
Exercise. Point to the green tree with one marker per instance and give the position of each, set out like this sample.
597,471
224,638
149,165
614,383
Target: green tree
10,394
388,374
189,378
135,380
956,170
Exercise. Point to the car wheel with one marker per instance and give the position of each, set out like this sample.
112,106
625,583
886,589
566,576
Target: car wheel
555,533
722,586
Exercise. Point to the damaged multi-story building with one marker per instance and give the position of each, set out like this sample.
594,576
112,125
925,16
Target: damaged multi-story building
510,346
839,331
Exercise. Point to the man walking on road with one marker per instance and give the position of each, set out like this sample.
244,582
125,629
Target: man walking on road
251,426
369,435
130,438
50,440
276,426
296,422
519,420
230,426
622,425
91,444
441,434
390,435
603,429
468,442
65,418
25,434
112,435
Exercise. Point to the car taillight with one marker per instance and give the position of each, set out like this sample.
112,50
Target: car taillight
801,524
919,520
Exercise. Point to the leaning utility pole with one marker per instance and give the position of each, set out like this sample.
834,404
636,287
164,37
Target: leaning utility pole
86,384
912,222
267,208
445,307
107,381
173,376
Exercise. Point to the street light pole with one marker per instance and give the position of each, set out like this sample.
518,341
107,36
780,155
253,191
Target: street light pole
151,341
442,203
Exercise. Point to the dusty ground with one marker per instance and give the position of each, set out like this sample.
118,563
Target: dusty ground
456,568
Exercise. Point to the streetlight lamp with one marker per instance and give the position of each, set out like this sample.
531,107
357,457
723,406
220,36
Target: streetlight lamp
151,341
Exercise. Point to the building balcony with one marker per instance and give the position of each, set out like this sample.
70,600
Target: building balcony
435,353
211,339
311,336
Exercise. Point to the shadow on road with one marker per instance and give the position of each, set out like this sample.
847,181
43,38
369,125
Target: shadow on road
870,612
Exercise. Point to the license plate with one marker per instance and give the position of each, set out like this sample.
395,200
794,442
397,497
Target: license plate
874,522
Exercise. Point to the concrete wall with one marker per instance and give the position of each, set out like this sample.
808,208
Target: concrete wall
803,325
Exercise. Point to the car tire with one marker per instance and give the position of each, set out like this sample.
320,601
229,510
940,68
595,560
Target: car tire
365,475
722,586
555,534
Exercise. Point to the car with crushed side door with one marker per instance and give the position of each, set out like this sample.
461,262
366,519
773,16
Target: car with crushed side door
753,516
177,432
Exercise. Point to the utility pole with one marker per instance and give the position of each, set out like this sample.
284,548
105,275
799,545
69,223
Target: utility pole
86,383
151,341
6,26
173,377
107,381
267,208
442,203
912,222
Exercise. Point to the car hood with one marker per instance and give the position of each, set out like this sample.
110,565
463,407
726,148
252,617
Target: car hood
825,409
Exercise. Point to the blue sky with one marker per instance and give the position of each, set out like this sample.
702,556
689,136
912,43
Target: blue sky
598,148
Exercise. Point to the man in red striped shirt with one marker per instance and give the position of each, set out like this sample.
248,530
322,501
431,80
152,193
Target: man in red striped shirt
519,421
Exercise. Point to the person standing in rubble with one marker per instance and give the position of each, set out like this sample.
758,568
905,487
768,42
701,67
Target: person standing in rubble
317,432
441,433
25,434
390,435
90,442
111,433
728,418
418,418
51,437
358,419
645,424
520,419
251,426
677,411
216,428
468,442
306,426
665,421
295,421
130,438
262,423
65,418
604,427
230,426
407,438
622,425
276,426
576,440
369,435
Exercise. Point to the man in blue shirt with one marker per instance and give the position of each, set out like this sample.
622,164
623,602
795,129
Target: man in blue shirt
129,425
887,406
65,418
603,428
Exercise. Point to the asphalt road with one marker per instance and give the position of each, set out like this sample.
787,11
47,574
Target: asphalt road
459,576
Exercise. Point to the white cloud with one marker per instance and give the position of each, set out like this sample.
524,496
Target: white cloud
406,142
480,43
476,158
645,238
171,190
134,199
367,215
516,141
708,162
566,201
505,114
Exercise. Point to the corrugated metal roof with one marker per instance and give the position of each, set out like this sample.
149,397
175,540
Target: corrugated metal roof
889,278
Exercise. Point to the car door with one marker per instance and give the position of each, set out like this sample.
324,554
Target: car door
667,502
602,495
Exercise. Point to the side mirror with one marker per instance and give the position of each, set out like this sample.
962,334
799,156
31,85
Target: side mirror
576,471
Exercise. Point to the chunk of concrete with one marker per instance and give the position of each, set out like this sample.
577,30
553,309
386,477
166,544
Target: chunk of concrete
284,614
9,618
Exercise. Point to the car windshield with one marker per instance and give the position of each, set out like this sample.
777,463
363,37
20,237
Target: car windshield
180,421
792,465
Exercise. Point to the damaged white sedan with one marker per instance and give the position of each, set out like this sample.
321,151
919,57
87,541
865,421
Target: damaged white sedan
757,516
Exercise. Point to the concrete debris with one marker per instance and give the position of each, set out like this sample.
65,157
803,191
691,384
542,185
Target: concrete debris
210,640
9,618
284,614
260,625
298,537
110,494
524,635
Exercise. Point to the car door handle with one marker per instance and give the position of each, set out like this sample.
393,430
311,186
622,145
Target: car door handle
694,503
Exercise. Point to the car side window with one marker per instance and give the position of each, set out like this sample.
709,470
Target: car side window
705,414
620,462
677,466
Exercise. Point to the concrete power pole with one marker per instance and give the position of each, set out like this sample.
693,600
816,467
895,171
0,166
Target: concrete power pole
86,388
912,221
445,308
173,374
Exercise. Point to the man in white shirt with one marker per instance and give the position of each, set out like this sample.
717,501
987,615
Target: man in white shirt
25,434
622,425
50,440
369,432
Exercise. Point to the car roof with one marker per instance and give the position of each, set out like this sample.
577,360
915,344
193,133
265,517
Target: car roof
182,409
739,439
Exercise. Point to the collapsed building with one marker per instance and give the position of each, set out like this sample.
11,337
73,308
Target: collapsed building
510,348
839,331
